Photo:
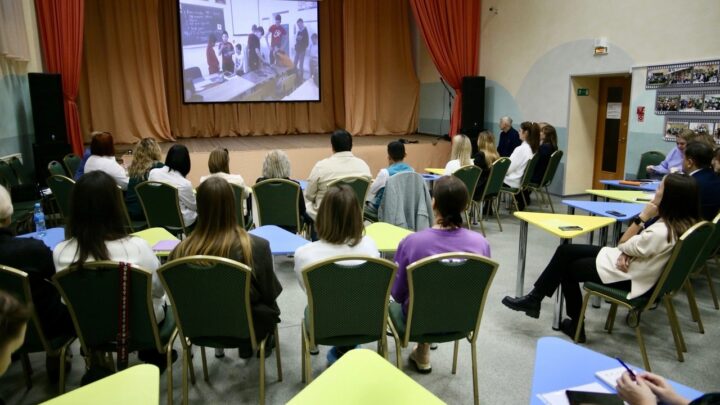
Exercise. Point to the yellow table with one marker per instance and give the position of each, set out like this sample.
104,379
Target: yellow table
363,377
631,196
154,235
435,170
386,236
136,385
551,223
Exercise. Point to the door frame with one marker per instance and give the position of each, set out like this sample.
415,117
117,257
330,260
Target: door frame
600,125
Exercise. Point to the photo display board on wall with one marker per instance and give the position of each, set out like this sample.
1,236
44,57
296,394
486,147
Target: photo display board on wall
688,95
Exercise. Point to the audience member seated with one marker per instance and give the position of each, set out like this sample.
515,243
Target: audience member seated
34,258
519,159
548,146
698,157
651,389
716,161
14,317
674,160
277,166
509,137
341,164
340,231
96,231
459,155
634,265
146,157
81,169
486,156
450,197
219,166
217,234
177,166
396,155
102,158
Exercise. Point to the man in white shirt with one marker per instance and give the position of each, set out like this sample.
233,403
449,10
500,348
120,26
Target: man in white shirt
341,164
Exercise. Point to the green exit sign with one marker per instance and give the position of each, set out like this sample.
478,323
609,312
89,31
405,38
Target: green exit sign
583,92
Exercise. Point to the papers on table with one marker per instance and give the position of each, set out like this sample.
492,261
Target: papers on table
611,376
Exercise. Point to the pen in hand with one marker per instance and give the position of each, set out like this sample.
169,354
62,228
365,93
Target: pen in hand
632,375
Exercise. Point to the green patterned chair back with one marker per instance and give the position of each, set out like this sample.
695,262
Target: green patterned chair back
469,175
161,205
360,186
277,202
72,162
55,168
240,196
551,169
62,188
529,171
92,295
21,171
447,296
348,302
683,260
712,244
211,299
17,284
649,158
494,183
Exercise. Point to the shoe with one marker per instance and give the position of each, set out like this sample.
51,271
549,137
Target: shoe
269,346
528,304
568,327
152,356
219,353
422,368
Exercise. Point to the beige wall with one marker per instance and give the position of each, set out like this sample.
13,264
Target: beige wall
581,142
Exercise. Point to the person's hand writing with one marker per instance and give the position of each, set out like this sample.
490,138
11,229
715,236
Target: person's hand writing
662,389
635,392
623,262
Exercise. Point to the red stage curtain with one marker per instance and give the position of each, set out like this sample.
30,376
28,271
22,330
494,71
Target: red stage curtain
60,23
451,30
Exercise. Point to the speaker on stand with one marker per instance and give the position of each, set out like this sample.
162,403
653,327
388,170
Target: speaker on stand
473,108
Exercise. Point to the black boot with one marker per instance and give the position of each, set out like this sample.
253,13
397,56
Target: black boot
568,327
530,304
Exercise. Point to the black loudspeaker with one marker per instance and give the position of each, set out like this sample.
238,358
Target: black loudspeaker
473,108
45,153
48,109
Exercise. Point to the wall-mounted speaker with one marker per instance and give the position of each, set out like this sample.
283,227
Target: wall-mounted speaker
46,98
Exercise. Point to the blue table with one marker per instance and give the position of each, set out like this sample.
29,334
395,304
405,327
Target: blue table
430,177
281,241
601,208
645,186
52,237
561,364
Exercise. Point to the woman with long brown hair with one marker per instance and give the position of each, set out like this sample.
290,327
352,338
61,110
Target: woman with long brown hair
634,265
216,233
519,159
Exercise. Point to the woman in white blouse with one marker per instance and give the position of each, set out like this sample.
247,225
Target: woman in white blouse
177,166
520,157
460,155
102,158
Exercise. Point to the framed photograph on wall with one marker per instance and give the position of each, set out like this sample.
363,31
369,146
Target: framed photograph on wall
691,102
702,127
695,74
673,127
658,76
705,74
667,103
711,104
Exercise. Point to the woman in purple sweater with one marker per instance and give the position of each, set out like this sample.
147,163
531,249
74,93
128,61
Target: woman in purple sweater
450,198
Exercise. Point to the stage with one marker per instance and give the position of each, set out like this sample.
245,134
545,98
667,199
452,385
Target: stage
248,152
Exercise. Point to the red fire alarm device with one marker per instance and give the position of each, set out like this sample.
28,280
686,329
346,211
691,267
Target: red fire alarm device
641,113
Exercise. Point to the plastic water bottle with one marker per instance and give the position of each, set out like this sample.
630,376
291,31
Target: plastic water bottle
39,218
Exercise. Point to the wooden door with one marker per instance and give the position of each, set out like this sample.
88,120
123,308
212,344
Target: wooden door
612,127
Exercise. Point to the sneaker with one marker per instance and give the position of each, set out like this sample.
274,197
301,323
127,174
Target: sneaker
422,368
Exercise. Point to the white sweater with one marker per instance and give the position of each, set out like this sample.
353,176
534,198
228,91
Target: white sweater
109,165
130,249
518,162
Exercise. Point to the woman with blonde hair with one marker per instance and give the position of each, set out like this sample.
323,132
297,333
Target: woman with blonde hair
486,156
460,155
216,233
146,156
277,166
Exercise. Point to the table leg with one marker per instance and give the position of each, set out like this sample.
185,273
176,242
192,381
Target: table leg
571,210
559,301
522,251
616,232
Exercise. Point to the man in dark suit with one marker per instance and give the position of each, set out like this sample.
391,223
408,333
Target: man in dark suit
698,156
509,137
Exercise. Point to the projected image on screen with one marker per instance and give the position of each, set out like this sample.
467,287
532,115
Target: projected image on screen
249,50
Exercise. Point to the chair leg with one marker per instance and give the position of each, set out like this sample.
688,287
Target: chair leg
673,327
586,299
497,213
476,396
547,192
455,356
186,369
643,352
278,362
711,285
693,305
27,370
676,325
610,321
262,371
191,366
168,370
204,364
61,386
303,349
467,220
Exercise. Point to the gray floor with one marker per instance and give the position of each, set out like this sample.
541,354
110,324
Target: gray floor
506,345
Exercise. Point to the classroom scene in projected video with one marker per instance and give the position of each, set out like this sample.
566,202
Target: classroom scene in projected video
249,50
